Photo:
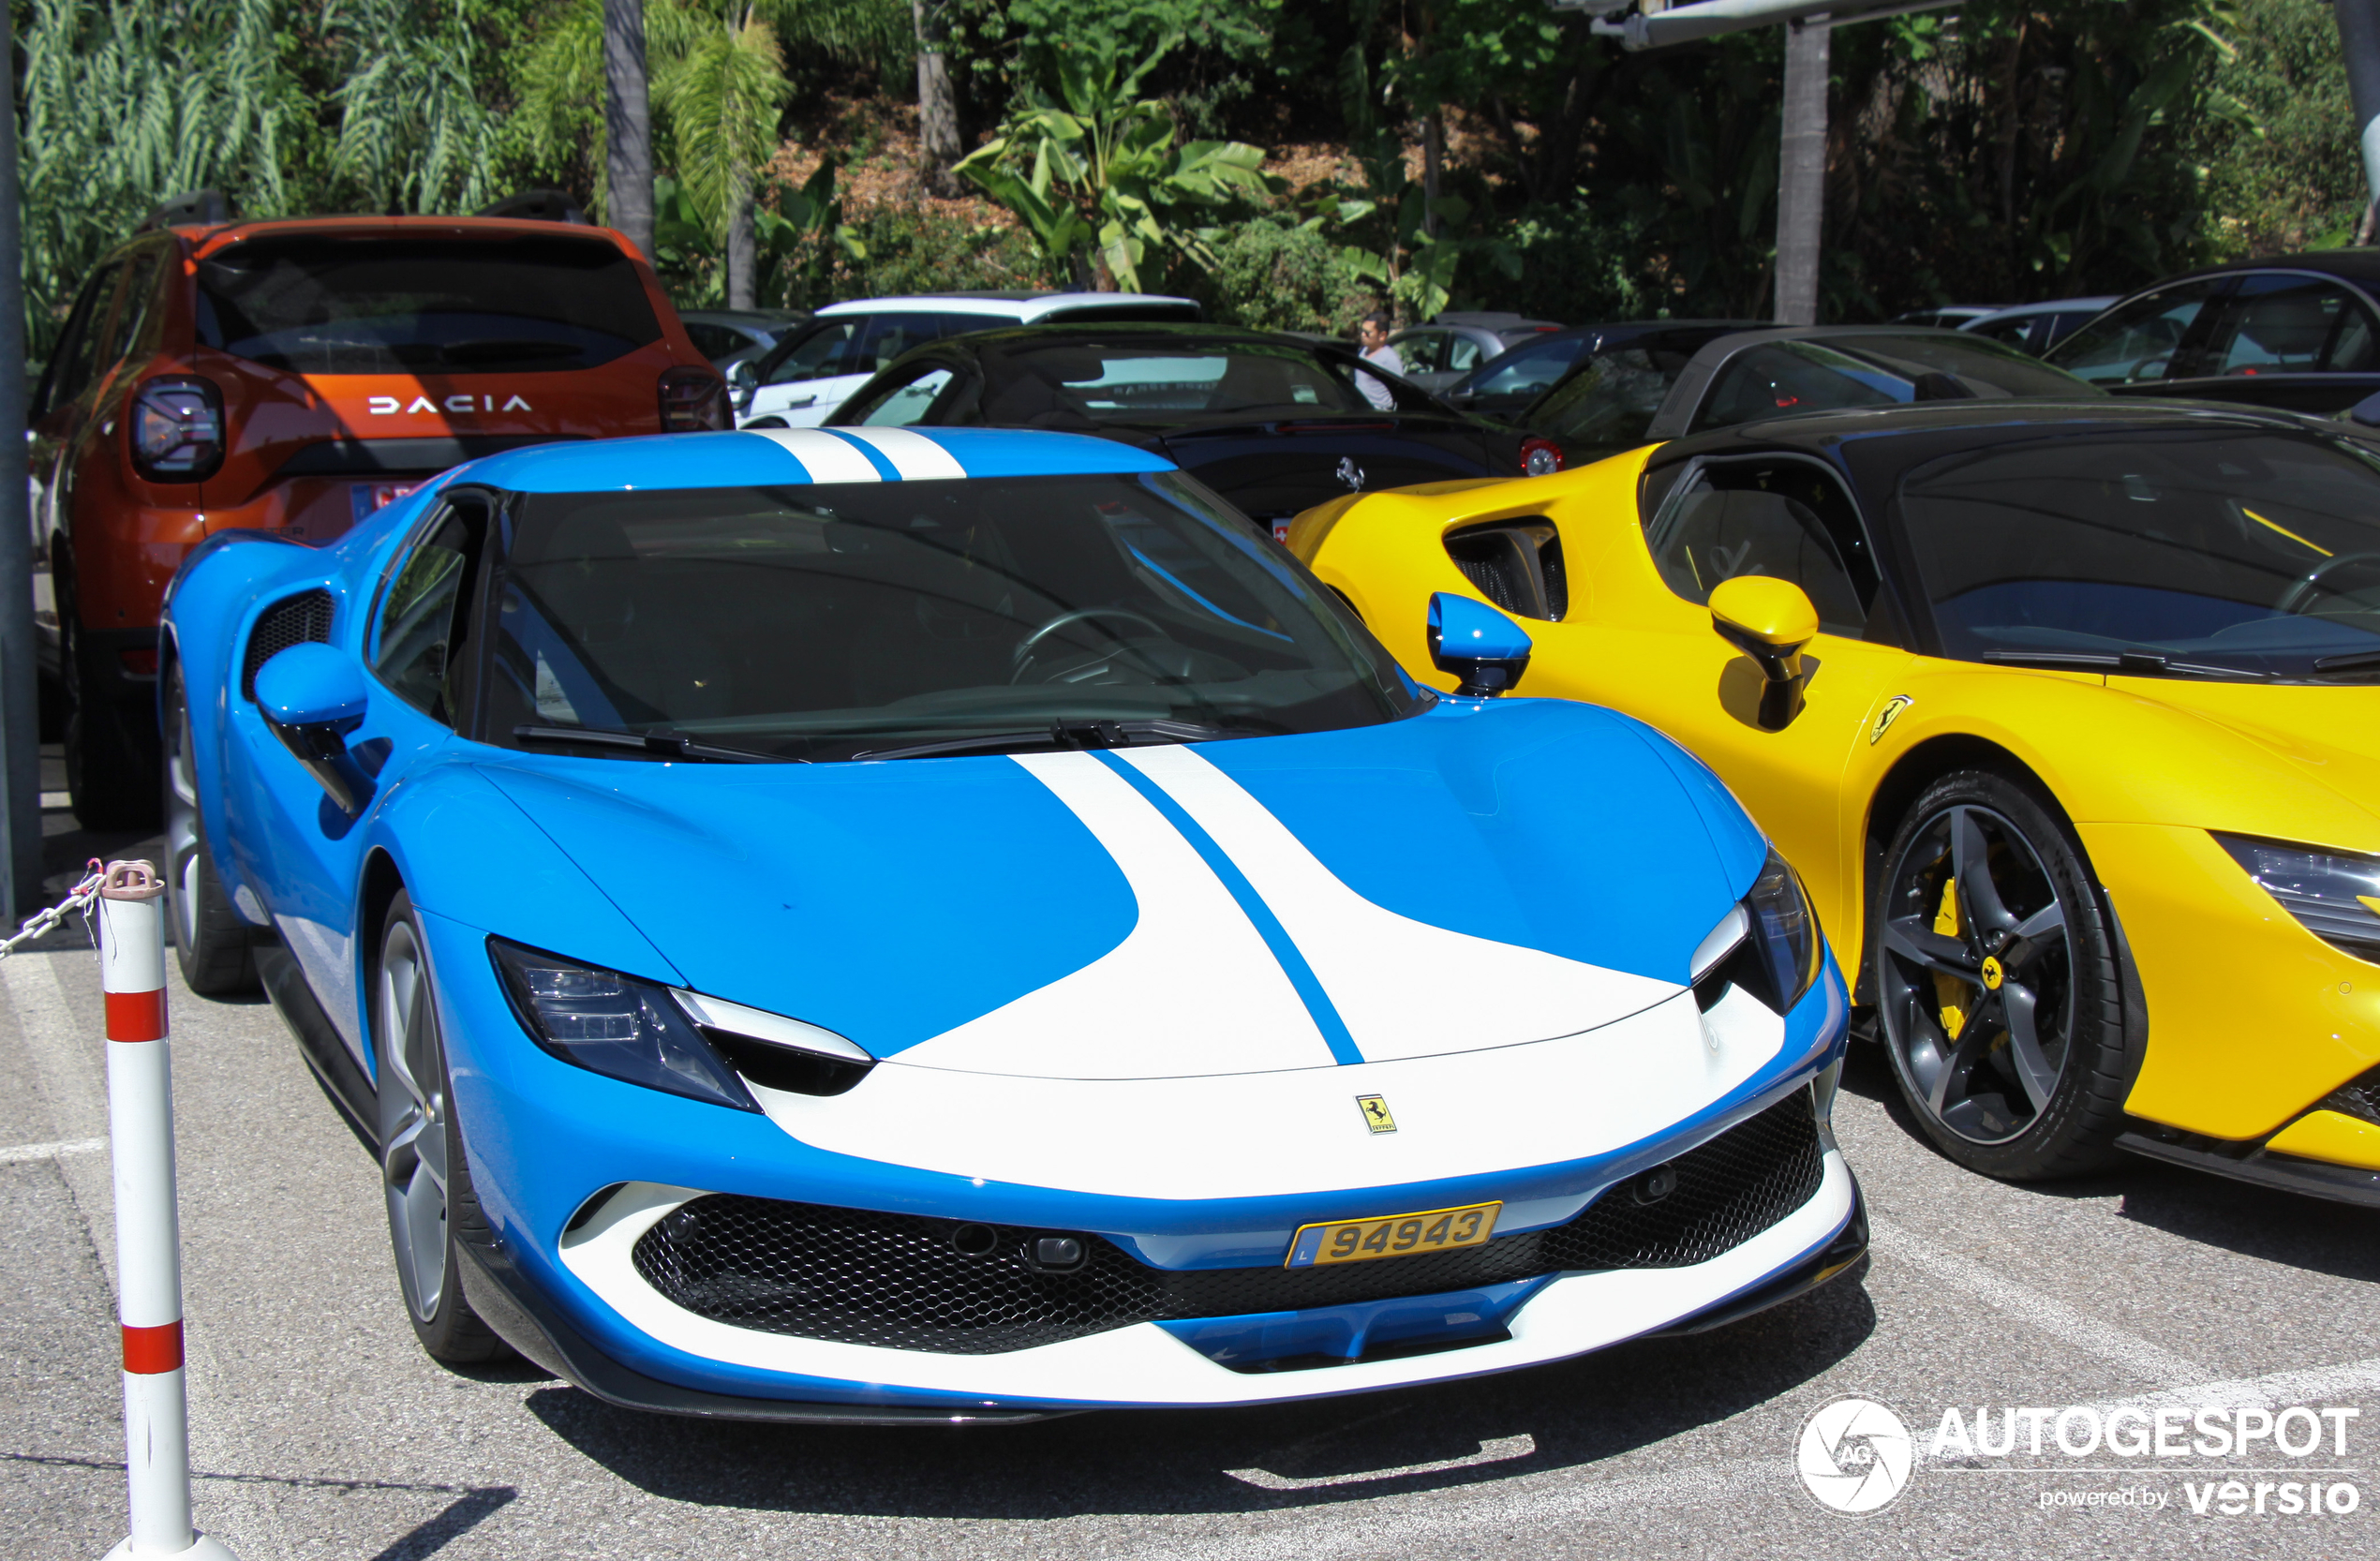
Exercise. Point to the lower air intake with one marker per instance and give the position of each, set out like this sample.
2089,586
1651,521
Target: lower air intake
900,1280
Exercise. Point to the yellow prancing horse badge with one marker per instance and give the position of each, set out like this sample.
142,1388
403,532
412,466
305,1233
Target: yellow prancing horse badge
1993,974
1375,1113
1885,716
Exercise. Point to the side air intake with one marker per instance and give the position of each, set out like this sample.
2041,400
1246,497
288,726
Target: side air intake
297,619
1516,564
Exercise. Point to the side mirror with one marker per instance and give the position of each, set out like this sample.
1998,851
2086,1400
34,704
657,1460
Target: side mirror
312,696
742,379
1769,621
1477,645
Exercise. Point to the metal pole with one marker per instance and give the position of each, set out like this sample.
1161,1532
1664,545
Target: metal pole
148,1227
1801,171
2359,43
20,721
628,120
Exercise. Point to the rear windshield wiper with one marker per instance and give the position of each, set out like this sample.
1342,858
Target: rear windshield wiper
2138,663
1057,734
669,745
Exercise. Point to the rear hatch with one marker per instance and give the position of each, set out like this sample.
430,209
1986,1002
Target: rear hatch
358,361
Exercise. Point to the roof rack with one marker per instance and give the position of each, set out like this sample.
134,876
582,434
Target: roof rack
202,208
539,205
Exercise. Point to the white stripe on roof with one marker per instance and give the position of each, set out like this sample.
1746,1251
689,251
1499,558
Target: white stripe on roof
917,457
827,458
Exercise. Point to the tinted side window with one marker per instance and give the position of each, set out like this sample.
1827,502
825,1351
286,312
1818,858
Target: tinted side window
424,618
1793,377
907,402
2137,341
1785,520
1463,355
78,355
712,341
1607,405
1529,371
2288,325
1420,352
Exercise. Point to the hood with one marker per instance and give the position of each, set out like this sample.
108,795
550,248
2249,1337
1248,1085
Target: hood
1469,878
2304,738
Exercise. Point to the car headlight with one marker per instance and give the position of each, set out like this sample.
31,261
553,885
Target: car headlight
2335,897
1768,944
642,1033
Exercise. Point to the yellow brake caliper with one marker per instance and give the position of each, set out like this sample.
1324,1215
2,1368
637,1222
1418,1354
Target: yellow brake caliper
1950,993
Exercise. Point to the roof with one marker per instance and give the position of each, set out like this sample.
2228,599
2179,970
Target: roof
2014,416
1027,307
207,240
779,457
2359,266
2052,306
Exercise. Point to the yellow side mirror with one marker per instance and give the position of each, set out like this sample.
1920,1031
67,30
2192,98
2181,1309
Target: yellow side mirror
1769,621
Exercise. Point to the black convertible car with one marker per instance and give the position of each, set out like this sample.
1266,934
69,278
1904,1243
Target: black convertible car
1274,424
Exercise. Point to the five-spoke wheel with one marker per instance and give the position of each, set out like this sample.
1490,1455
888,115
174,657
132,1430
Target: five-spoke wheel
1995,982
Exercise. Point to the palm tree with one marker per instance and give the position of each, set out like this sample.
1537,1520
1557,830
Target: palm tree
628,155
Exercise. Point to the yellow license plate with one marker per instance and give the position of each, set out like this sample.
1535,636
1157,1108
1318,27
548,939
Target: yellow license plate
1393,1235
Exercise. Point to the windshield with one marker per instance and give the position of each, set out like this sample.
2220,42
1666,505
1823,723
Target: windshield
839,621
1099,383
1782,377
2256,554
316,304
1524,371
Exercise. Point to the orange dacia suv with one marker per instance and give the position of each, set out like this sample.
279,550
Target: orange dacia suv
293,376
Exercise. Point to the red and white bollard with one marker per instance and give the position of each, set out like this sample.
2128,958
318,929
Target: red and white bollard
148,1229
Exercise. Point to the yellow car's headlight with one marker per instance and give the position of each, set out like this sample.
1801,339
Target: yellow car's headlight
2335,897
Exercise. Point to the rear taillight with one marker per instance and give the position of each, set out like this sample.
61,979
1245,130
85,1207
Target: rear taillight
177,430
694,400
139,663
1540,457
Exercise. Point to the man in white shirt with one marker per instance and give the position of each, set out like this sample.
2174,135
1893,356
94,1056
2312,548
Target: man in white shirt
1374,333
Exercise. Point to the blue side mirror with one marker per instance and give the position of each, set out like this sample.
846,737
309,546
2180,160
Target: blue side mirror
1477,645
312,696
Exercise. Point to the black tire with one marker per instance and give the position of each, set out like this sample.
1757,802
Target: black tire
112,762
423,1172
1999,994
213,944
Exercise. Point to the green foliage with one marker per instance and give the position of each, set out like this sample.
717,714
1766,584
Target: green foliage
1229,54
800,238
1276,275
1582,265
904,248
2292,180
413,128
1092,168
724,95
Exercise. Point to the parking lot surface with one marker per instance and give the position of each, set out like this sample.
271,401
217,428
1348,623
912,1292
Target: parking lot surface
320,1430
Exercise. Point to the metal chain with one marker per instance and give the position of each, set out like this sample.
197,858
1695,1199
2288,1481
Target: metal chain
80,899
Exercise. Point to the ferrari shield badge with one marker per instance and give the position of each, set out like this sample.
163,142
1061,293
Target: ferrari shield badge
1885,716
1375,1113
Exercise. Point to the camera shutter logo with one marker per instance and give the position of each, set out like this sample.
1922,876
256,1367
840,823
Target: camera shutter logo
1855,1456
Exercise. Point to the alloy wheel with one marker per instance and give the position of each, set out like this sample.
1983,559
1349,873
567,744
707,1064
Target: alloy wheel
1975,975
414,1112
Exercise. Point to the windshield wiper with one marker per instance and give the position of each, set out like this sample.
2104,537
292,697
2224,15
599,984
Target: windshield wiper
1057,734
2355,660
2138,663
672,745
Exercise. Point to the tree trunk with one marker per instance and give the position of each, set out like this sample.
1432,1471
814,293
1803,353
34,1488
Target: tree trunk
628,150
743,253
938,144
1801,172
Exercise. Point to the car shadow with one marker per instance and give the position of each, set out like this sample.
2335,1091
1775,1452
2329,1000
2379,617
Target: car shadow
2318,1235
1285,1456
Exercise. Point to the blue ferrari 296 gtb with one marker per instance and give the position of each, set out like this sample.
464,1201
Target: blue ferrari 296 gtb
889,924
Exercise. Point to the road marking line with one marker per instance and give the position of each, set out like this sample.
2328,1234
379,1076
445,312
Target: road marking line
2052,1317
2315,1385
71,1067
18,1153
1500,1449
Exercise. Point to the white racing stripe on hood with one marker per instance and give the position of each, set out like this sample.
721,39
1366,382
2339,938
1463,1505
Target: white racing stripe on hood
1192,990
827,458
1403,988
917,457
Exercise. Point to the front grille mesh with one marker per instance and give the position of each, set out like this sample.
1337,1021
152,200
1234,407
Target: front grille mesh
301,619
857,1276
2357,1097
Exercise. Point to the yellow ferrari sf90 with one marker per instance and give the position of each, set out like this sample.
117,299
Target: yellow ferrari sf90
2069,716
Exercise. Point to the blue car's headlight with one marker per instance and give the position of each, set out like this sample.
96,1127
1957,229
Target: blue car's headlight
1768,944
702,1047
2334,896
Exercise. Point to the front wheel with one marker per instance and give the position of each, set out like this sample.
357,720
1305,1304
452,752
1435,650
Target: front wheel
1997,983
211,940
422,1165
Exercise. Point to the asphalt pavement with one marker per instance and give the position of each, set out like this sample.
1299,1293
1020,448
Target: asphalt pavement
321,1429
